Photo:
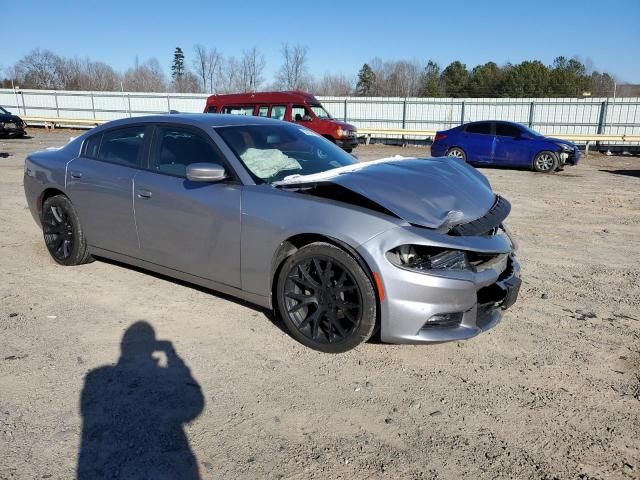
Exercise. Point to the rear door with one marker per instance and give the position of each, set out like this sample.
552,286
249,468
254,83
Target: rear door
478,142
511,147
100,185
191,227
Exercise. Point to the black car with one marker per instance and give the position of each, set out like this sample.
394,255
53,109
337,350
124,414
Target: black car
11,125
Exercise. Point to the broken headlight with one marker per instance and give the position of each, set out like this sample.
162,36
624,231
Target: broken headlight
422,258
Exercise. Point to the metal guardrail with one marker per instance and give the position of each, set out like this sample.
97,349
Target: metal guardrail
589,139
57,121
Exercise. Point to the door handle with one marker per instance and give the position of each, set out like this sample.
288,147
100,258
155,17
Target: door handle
144,194
76,174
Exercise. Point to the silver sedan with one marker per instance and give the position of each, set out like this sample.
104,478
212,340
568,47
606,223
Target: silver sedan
274,214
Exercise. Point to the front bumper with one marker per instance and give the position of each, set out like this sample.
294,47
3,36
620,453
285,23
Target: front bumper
569,158
12,128
413,300
347,143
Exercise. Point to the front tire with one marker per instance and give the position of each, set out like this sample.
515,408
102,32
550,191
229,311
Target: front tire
457,152
325,298
545,162
63,234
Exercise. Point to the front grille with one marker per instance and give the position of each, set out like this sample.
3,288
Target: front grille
487,224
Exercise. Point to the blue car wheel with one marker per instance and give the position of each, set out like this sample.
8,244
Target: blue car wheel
545,162
458,153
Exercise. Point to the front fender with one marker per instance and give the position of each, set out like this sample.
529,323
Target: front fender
270,217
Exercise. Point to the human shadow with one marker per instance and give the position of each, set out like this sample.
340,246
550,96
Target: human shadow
133,413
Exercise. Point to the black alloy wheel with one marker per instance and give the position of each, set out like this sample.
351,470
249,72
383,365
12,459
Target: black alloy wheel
58,232
326,299
62,232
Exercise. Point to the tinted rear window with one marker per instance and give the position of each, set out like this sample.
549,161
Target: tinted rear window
122,146
484,128
92,146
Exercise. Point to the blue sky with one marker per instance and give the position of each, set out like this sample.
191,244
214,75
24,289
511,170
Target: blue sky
340,35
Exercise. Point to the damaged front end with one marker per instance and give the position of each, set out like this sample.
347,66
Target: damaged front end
450,270
12,126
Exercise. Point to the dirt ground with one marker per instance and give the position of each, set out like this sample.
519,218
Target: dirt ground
552,392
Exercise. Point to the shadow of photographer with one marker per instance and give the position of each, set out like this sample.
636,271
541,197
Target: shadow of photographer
133,413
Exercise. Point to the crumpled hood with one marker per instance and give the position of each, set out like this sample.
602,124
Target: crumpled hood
429,192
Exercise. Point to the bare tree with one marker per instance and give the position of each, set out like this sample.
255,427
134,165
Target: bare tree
230,75
201,64
188,82
252,69
39,69
207,66
334,85
146,77
293,72
100,77
397,78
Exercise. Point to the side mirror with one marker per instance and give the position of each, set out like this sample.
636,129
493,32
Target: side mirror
206,172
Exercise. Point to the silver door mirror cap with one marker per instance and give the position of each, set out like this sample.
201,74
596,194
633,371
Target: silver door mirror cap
206,172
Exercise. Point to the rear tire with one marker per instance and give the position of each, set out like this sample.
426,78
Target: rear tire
63,234
325,298
545,162
457,152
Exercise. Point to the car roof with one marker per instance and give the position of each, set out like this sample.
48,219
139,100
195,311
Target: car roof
202,120
490,121
262,97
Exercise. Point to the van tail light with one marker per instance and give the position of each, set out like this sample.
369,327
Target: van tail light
440,136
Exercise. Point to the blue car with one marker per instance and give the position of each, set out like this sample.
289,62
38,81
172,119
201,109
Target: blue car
505,144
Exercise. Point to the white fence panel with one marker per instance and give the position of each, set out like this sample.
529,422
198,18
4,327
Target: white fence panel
547,115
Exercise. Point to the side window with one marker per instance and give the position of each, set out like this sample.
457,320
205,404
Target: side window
506,130
237,110
122,146
263,111
211,109
92,146
277,112
299,114
175,148
482,128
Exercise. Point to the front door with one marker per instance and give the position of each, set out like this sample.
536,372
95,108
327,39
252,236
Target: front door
100,186
510,145
191,227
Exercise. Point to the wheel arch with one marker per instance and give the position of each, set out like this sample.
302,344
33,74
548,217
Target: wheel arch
289,246
45,195
458,147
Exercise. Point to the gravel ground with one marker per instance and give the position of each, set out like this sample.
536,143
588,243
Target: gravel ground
551,392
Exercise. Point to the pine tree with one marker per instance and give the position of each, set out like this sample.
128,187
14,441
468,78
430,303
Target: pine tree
366,81
431,84
177,69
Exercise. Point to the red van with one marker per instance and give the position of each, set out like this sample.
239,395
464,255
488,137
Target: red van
298,107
